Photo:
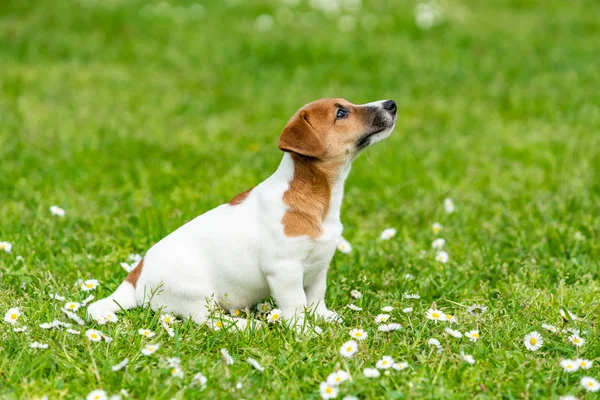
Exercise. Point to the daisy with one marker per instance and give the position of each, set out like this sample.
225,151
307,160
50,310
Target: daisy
358,334
97,395
56,210
590,384
236,312
173,361
20,329
167,318
216,325
451,318
389,327
89,284
167,329
100,320
448,205
127,267
438,244
371,373
381,318
468,358
255,364
568,397
473,335
110,317
6,246
120,365
150,349
264,307
577,340
327,391
564,316
176,372
72,306
146,332
107,338
442,257
338,377
399,366
387,309
353,307
93,335
434,342
407,310
385,362
409,277
348,349
569,365
411,296
584,364
201,380
227,359
356,294
550,328
274,316
12,315
73,332
56,297
436,228
388,234
476,309
453,333
49,325
435,315
344,246
38,345
533,341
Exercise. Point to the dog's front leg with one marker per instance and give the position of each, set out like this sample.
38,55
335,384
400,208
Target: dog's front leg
315,297
285,283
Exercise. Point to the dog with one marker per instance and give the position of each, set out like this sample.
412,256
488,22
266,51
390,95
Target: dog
275,239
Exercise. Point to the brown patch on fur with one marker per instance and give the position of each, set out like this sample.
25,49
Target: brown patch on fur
240,197
135,274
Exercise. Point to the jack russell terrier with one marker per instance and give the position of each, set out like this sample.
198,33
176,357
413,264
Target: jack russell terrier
276,239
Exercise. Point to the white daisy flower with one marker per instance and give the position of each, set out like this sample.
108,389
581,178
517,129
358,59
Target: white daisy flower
73,332
56,297
167,329
584,364
236,312
146,332
434,342
176,372
93,335
451,318
338,377
442,257
568,397
49,325
590,384
400,366
255,364
533,341
371,373
476,309
388,234
97,395
354,308
20,258
435,315
72,306
56,210
574,331
564,316
453,333
120,365
167,318
201,380
389,327
550,328
274,316
436,228
350,398
264,307
474,335
411,296
409,277
127,267
38,345
89,284
173,361
227,359
356,294
20,329
577,340
449,205
385,362
100,320
73,316
12,315
438,244
468,358
358,334
407,310
428,15
344,246
216,325
6,246
87,300
387,309
349,348
381,318
328,391
150,349
569,365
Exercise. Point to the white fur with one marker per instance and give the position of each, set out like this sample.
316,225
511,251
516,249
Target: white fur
237,255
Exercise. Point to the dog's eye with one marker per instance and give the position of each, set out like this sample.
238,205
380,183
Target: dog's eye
341,113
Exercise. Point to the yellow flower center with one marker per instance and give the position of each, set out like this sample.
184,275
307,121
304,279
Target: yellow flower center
435,315
533,340
236,312
384,362
90,285
576,340
174,371
72,306
219,324
97,397
349,348
583,364
13,316
476,335
590,384
338,379
94,336
569,366
275,316
328,390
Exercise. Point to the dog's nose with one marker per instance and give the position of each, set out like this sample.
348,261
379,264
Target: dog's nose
389,105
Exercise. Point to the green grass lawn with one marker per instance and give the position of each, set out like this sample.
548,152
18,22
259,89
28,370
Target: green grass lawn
136,116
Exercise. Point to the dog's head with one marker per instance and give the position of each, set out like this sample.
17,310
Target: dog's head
336,128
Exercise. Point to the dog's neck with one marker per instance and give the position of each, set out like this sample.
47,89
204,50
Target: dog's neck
314,194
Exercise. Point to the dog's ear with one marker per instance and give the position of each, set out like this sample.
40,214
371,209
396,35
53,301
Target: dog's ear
299,137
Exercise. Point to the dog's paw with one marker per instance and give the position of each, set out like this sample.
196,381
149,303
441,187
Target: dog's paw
331,317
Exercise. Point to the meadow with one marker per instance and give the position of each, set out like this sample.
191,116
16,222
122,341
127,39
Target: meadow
135,116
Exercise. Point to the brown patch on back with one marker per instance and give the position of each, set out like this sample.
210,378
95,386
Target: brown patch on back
135,274
240,197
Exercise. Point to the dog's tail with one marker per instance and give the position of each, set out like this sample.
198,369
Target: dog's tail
123,298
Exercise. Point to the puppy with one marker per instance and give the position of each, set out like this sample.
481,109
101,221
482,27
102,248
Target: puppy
276,239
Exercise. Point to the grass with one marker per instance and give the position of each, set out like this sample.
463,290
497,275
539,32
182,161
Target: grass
136,117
